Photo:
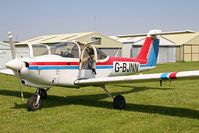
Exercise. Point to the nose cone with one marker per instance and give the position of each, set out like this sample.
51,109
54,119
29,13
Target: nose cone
15,64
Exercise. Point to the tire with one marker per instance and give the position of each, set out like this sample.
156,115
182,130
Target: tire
31,104
119,102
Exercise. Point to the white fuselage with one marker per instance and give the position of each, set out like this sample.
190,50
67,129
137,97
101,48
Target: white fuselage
49,70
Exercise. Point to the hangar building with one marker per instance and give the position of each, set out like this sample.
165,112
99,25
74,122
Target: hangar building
108,45
187,46
5,54
132,45
173,47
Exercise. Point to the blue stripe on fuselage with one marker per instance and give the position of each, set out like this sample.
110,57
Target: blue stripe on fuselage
104,67
52,67
69,67
63,67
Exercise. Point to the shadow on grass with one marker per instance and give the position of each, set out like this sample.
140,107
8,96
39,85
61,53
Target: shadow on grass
143,88
94,100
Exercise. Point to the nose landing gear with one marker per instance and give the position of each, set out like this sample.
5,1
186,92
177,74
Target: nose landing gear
34,103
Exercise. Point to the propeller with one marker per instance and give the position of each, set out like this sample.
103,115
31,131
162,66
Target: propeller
12,45
15,64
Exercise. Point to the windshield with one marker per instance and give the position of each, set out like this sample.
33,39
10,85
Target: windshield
40,49
66,49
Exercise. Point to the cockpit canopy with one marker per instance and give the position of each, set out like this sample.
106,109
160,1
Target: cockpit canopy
63,49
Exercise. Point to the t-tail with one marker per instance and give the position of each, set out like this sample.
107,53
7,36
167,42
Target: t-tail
149,52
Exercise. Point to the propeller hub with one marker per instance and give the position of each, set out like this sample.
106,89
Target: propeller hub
15,64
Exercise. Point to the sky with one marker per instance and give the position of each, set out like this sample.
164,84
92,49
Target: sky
32,18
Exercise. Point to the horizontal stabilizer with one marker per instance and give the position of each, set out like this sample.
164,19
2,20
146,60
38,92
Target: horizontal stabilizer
154,32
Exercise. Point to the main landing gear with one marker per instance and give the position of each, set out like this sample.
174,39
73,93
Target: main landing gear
118,101
34,103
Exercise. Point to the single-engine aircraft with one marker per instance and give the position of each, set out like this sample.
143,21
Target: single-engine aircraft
75,64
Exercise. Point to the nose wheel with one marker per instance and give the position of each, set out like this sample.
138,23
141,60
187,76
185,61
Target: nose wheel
34,103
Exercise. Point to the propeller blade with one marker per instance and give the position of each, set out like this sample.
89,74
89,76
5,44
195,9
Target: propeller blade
12,45
15,65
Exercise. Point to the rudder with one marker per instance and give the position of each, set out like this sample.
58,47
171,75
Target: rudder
150,49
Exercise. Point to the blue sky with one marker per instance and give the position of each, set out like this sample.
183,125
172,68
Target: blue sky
31,18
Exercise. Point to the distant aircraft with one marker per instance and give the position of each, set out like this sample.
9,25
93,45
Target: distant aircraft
75,64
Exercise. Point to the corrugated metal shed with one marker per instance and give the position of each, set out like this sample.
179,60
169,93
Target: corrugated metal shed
4,45
54,38
188,46
5,54
194,40
180,39
132,45
108,45
82,37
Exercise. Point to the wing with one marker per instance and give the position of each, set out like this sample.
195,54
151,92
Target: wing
139,78
7,72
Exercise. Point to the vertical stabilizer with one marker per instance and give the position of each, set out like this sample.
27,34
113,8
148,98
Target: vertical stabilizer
150,49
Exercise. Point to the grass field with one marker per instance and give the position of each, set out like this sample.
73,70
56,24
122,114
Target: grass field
172,108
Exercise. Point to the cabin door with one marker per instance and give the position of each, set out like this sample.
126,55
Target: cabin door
88,62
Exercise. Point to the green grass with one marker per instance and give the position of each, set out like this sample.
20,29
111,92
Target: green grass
172,108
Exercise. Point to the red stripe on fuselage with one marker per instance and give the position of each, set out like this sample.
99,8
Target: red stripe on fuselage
53,63
108,62
122,59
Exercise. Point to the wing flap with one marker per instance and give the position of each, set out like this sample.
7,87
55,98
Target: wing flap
139,78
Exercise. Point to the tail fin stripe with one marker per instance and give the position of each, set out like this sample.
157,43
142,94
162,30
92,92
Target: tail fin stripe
145,49
153,54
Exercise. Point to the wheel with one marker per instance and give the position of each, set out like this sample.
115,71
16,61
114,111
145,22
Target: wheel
119,102
42,92
32,106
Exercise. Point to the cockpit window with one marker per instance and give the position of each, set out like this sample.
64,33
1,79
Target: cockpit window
39,49
100,55
66,49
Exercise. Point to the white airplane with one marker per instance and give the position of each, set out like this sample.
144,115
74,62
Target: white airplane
75,64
